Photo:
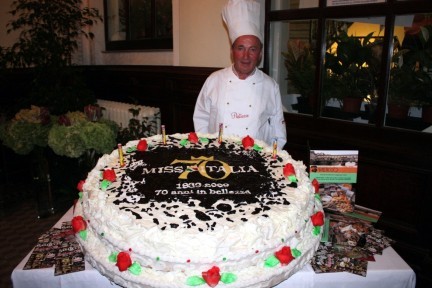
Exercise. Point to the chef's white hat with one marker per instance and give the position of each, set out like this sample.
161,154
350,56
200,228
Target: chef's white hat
242,17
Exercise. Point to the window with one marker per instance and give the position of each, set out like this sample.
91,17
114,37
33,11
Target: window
294,66
351,70
379,59
138,25
409,96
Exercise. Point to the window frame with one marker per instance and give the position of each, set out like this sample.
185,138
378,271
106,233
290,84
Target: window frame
151,44
388,9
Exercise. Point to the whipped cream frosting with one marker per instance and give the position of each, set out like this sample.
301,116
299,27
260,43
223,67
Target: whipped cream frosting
180,208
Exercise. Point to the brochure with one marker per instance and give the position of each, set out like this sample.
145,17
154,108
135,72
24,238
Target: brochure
333,166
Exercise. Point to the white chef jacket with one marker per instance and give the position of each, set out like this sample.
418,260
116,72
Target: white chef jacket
245,107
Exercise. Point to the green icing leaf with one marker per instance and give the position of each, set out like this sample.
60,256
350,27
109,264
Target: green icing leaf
113,257
228,278
80,194
195,281
296,253
257,148
135,268
292,178
105,184
184,142
131,149
83,234
204,140
316,230
272,261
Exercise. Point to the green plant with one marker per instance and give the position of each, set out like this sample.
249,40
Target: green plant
27,130
350,67
72,138
136,129
411,70
299,61
71,135
49,31
408,86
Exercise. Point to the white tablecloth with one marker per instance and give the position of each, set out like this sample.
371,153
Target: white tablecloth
388,271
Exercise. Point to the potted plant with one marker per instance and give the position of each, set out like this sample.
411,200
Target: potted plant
72,134
409,87
418,42
411,74
49,32
351,73
400,94
48,37
62,148
299,61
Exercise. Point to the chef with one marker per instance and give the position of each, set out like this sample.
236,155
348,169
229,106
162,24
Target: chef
241,98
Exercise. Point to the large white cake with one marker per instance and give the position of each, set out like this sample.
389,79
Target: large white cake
188,210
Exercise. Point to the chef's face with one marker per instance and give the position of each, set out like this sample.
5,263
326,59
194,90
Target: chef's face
246,52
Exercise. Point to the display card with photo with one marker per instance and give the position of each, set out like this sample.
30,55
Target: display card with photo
70,257
58,248
336,171
334,166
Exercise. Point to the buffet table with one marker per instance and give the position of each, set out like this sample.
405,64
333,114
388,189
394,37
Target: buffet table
389,270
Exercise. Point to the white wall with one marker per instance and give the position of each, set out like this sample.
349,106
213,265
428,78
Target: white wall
200,38
5,39
203,38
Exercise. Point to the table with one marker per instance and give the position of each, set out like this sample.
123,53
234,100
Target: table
389,270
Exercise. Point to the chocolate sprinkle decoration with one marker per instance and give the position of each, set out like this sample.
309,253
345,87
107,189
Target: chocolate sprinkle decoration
215,181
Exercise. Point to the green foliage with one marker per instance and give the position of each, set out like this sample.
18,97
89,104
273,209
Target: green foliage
22,137
48,37
351,68
66,141
49,30
71,135
27,130
409,86
411,70
99,136
73,141
136,129
299,61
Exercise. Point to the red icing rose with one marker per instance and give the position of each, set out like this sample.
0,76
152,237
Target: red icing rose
142,145
193,138
318,218
109,174
123,261
284,255
248,142
78,224
288,170
212,276
315,184
80,185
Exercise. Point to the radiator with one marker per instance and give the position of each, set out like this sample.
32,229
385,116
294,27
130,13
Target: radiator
119,113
